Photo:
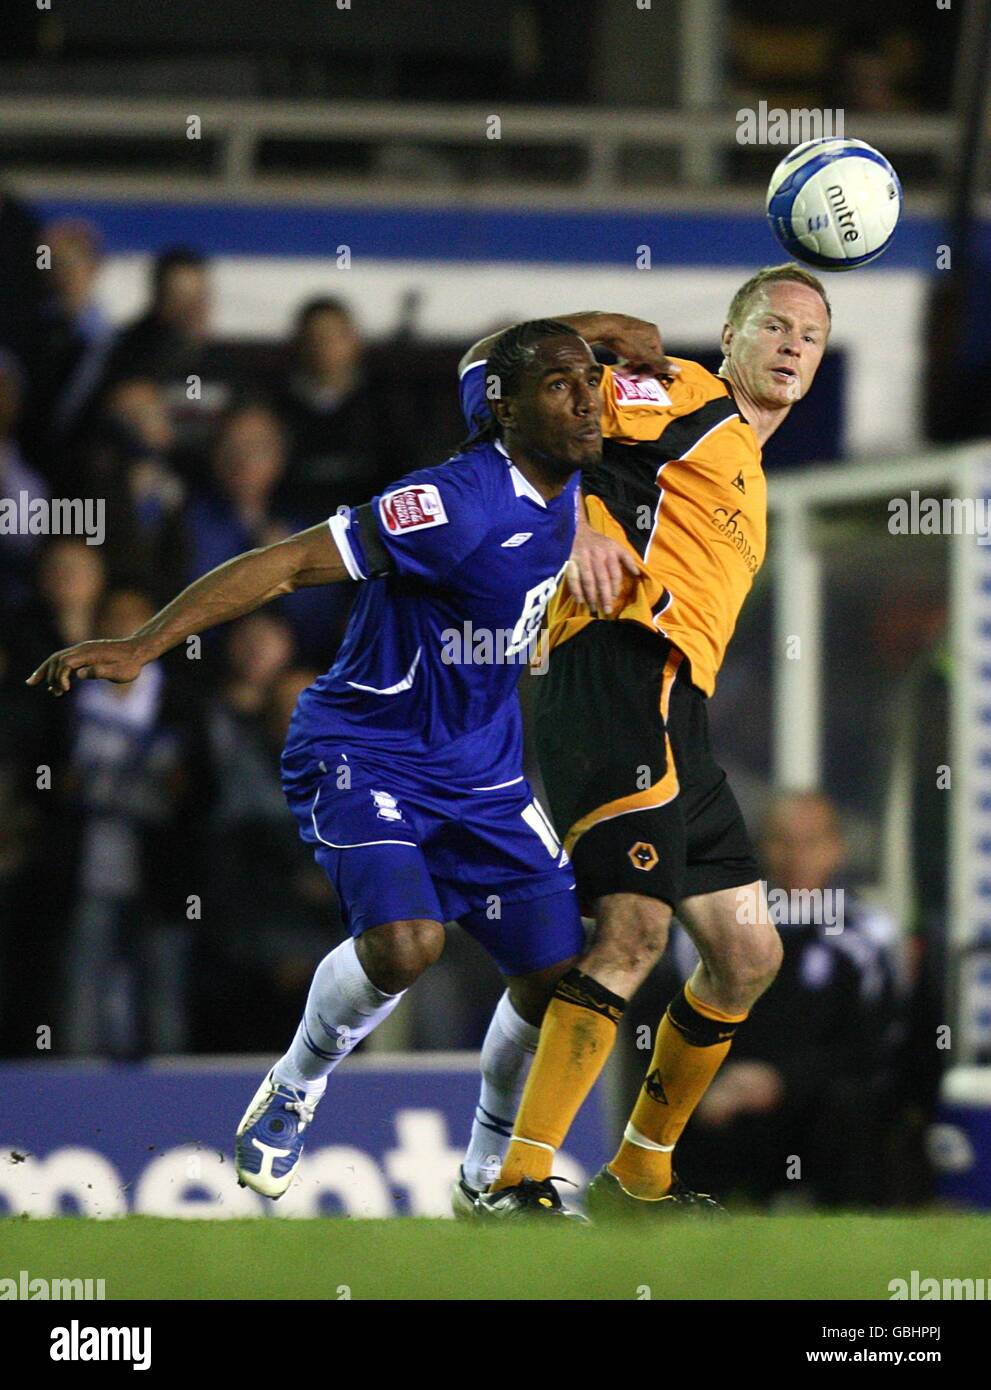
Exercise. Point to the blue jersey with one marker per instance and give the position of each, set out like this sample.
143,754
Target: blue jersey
434,649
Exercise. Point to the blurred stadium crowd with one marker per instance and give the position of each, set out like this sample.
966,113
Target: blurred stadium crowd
164,808
897,57
154,895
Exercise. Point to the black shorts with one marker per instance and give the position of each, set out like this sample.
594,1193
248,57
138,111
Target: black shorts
623,741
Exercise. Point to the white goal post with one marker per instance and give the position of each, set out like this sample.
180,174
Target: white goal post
797,503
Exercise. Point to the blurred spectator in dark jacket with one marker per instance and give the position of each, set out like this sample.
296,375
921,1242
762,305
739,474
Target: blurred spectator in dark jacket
341,444
17,826
812,1075
20,484
240,512
172,344
129,462
258,649
24,288
271,913
68,581
869,71
68,352
136,791
34,743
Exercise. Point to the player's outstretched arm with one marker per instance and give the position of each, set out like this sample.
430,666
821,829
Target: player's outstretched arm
636,342
229,591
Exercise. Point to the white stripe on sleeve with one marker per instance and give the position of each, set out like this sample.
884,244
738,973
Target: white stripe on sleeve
339,524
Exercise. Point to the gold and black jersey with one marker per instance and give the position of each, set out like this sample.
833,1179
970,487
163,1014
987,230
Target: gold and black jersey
681,486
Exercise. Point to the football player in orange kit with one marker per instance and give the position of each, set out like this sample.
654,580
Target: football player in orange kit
636,638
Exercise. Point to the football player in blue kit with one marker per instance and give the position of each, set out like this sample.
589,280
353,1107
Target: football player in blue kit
403,764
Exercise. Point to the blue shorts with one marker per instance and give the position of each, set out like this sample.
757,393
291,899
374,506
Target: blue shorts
398,846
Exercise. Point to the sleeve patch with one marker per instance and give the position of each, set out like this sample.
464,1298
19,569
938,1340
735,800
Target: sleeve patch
647,391
412,509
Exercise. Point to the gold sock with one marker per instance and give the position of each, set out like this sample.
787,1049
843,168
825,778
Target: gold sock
692,1041
576,1037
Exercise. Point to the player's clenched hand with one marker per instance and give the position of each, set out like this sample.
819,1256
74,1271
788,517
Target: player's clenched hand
637,343
599,570
117,659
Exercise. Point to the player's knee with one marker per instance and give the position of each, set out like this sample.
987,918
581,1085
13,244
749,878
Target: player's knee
769,955
396,954
631,932
748,968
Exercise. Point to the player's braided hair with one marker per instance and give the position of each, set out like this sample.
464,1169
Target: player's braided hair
508,359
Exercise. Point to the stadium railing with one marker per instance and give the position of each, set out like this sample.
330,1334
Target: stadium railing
256,146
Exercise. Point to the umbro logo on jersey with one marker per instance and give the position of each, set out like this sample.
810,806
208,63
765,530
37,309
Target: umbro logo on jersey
739,483
520,538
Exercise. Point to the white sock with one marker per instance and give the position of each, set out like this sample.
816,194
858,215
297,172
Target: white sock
342,1007
506,1056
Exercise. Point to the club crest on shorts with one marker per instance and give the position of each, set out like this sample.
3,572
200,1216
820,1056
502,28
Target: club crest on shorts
386,806
642,856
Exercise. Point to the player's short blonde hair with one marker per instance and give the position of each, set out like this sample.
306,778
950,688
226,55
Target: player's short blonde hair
772,275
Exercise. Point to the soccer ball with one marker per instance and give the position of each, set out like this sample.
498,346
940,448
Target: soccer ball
834,203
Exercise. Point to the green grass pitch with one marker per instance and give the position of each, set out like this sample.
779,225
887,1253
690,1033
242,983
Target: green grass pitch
751,1257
